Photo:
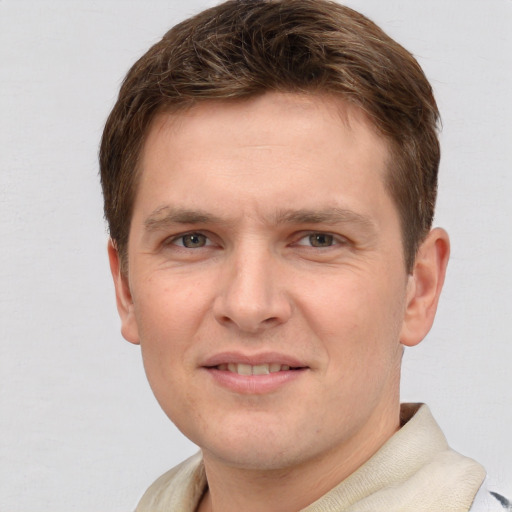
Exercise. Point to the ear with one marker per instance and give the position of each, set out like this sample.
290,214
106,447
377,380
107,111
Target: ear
424,287
124,301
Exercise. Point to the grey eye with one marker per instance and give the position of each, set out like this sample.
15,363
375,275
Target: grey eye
194,240
321,240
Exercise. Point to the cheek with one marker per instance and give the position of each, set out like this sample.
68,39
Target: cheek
174,320
358,319
362,349
168,309
170,315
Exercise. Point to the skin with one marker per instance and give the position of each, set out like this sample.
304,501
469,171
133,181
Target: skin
262,229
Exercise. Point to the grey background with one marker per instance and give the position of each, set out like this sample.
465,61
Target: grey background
79,428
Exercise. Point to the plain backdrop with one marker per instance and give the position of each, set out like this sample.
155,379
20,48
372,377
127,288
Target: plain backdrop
79,427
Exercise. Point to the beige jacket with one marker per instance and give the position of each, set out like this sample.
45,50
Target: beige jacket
415,470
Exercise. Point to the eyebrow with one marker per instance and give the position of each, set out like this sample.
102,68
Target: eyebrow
333,216
166,216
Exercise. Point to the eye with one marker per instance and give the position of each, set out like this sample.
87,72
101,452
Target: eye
321,240
318,240
192,240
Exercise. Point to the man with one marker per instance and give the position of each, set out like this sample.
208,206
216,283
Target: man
269,173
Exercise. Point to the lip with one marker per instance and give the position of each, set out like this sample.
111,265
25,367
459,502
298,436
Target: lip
253,359
253,384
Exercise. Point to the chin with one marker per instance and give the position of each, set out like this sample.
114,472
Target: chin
250,440
256,457
263,448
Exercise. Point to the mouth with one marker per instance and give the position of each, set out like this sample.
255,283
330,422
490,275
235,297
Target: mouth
254,375
258,369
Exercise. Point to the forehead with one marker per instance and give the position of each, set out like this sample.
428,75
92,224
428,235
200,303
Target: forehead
275,145
304,108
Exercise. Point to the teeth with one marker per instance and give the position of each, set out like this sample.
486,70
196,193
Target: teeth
244,369
274,367
259,369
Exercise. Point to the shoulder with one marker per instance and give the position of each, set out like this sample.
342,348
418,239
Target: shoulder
178,489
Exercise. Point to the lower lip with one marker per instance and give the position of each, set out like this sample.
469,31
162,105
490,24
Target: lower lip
254,384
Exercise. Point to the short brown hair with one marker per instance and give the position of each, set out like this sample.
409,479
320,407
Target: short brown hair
242,48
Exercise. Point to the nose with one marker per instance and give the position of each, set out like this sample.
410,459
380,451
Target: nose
251,297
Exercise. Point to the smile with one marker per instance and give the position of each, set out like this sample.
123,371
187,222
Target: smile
258,369
254,374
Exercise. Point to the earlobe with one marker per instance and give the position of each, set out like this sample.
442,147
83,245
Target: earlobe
424,287
124,299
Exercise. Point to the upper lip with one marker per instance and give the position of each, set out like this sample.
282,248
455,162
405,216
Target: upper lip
253,359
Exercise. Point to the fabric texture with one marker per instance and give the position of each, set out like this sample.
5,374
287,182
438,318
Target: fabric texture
415,470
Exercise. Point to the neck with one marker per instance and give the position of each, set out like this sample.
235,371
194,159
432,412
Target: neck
290,489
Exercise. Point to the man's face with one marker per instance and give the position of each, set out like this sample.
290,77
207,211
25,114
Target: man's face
266,280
